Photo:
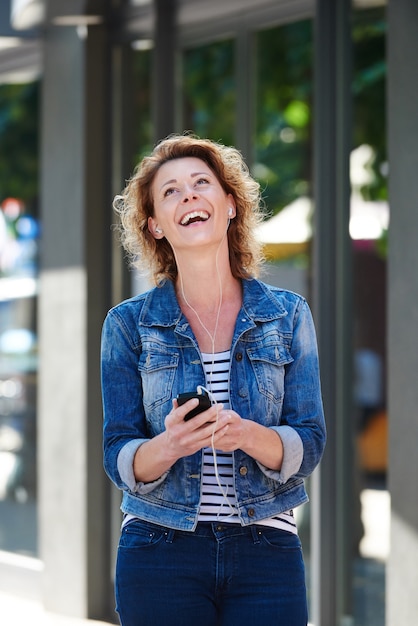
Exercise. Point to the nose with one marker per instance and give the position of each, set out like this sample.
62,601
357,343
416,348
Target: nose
189,194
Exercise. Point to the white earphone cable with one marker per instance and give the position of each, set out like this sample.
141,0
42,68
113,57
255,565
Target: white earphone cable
212,338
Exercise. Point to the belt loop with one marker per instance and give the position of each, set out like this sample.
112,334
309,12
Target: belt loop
169,535
255,534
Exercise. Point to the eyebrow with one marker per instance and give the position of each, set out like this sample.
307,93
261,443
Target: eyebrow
192,175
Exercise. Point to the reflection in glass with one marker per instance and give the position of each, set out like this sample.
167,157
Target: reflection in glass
19,247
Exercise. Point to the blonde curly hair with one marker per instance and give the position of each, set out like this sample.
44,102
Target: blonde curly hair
135,205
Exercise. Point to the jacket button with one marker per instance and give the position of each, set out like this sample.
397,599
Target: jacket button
243,471
238,356
251,512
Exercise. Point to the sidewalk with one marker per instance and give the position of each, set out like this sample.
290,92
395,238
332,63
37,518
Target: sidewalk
20,593
16,611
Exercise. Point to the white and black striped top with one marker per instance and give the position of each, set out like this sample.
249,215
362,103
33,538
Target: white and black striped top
218,500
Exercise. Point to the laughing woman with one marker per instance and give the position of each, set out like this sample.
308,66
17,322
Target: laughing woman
208,534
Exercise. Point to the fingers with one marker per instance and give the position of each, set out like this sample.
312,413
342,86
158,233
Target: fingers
214,426
231,435
197,430
205,417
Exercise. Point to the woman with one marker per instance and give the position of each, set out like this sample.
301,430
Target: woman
208,535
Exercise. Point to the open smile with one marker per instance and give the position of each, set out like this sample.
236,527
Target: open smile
194,216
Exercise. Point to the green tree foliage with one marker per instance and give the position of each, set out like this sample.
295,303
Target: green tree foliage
369,94
283,137
19,141
209,91
283,99
142,63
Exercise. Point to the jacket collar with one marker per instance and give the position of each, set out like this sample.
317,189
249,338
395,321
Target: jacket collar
161,307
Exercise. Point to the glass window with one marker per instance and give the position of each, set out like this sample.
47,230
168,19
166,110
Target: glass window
19,234
283,149
283,141
368,228
209,91
143,132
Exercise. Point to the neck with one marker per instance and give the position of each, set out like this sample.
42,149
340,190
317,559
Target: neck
211,312
203,276
208,293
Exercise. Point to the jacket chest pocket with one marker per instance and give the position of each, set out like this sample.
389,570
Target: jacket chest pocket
157,369
268,364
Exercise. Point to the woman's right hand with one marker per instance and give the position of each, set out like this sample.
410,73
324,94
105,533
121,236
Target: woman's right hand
181,438
187,437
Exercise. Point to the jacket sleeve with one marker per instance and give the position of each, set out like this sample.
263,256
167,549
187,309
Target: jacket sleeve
124,426
302,427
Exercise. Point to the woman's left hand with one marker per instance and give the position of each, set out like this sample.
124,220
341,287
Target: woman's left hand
236,434
261,443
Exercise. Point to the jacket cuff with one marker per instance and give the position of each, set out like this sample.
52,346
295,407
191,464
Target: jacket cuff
292,455
126,472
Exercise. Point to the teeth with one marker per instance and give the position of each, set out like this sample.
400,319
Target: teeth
194,215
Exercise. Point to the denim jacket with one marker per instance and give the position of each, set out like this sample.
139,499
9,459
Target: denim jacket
150,354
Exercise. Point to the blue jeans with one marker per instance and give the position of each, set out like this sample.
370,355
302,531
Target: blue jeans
219,575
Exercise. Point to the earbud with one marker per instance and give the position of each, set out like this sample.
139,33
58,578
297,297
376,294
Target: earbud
158,231
230,212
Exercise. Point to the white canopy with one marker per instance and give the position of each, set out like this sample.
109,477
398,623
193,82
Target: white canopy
293,224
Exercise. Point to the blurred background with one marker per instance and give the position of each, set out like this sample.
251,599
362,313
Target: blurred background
86,89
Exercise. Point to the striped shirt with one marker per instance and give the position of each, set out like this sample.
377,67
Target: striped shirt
218,501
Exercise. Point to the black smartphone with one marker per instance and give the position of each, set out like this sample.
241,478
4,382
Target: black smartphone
204,402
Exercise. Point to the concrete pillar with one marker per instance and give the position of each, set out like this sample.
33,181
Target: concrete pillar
402,598
164,68
75,288
331,504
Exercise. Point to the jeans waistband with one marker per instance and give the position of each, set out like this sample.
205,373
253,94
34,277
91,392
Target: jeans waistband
221,530
210,530
216,530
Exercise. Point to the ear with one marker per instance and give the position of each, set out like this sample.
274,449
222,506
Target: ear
232,207
154,229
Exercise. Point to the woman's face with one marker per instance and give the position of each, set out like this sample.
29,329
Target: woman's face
190,205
